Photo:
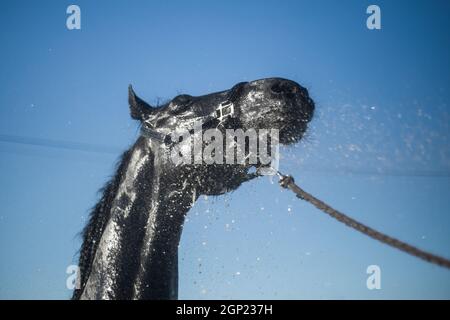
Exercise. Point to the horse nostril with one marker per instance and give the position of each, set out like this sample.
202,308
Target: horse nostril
282,88
276,88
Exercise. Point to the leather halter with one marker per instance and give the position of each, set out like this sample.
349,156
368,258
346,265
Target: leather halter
225,111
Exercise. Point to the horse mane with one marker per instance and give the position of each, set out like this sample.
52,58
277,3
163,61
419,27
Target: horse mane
98,218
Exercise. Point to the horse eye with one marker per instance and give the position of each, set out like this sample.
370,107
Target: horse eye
183,99
180,102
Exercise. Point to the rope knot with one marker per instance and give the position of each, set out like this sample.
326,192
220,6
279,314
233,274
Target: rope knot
285,181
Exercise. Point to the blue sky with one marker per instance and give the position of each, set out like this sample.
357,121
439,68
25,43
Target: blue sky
377,149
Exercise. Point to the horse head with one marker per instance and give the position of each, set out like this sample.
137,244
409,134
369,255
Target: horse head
272,103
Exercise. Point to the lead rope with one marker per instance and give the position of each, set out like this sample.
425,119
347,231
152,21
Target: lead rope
287,182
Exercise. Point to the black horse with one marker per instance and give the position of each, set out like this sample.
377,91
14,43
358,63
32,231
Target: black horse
130,244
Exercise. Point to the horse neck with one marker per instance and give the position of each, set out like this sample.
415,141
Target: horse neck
137,254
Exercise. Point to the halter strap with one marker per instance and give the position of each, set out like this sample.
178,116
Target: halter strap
225,110
152,134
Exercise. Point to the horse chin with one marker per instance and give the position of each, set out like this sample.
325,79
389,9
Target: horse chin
292,133
291,119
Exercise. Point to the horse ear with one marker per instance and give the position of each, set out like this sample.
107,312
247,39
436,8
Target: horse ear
139,109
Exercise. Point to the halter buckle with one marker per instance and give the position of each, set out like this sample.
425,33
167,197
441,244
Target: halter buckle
225,109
